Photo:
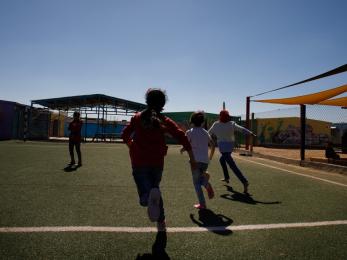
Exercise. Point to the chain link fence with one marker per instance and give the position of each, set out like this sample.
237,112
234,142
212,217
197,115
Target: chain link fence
281,127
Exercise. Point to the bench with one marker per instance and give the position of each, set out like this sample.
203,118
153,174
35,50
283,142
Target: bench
104,136
342,161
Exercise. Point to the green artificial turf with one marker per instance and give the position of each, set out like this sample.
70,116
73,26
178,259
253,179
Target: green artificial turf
37,191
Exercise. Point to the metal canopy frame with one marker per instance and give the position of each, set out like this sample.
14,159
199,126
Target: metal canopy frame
96,104
91,102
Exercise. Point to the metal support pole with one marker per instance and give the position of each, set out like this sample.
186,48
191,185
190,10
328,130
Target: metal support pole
303,131
26,122
103,118
252,137
85,128
98,122
248,99
59,125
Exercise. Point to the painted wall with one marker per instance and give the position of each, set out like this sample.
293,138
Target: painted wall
287,131
91,128
57,124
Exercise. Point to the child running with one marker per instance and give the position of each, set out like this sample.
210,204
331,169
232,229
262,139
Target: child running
147,147
200,139
224,130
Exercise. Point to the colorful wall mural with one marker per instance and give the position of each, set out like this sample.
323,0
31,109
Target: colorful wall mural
286,131
57,124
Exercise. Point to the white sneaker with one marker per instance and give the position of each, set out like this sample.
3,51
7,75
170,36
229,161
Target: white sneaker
153,204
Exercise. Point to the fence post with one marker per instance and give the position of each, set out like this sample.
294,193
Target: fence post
247,120
303,131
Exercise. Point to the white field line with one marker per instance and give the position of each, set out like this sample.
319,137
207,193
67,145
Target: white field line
171,230
293,172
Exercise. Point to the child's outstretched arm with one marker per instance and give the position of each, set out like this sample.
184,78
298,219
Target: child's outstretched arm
212,149
127,133
178,134
192,161
243,130
212,144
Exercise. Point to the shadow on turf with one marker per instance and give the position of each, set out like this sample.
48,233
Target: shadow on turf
158,248
213,222
243,197
71,168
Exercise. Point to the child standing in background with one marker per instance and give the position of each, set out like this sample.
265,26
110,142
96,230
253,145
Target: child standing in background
200,140
75,139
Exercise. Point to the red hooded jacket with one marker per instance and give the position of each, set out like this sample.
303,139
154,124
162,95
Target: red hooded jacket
147,146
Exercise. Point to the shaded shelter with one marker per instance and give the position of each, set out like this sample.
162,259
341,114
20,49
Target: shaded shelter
96,106
310,99
339,102
329,73
318,98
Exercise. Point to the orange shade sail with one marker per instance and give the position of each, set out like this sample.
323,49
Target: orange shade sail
310,99
339,102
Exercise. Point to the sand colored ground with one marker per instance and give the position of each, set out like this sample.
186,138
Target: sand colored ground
292,153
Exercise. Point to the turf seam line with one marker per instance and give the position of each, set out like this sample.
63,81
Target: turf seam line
170,229
296,173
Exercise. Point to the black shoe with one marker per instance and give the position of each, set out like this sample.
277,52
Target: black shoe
245,187
225,180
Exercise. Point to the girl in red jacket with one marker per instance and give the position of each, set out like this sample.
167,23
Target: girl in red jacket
75,138
145,137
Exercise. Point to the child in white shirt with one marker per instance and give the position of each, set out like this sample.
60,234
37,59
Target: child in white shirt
224,130
200,140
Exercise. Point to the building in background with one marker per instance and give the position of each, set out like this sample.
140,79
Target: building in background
12,120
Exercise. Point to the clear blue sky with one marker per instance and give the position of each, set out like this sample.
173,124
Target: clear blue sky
202,52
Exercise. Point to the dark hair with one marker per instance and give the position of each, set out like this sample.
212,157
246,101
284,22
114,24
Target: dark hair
155,99
197,118
76,114
151,116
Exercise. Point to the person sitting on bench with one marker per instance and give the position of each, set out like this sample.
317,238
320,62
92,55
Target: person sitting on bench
330,152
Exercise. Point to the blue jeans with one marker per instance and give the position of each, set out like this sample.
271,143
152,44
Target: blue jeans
199,180
227,159
147,178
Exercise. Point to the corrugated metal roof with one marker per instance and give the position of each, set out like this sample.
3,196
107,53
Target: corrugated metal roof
94,100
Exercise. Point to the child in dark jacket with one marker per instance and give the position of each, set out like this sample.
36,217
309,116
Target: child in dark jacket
75,138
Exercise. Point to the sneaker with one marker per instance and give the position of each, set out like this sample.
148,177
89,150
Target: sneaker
153,204
245,187
72,163
225,180
161,226
210,191
199,206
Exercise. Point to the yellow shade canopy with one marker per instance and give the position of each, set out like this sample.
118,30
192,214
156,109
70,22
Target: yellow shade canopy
314,98
339,102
